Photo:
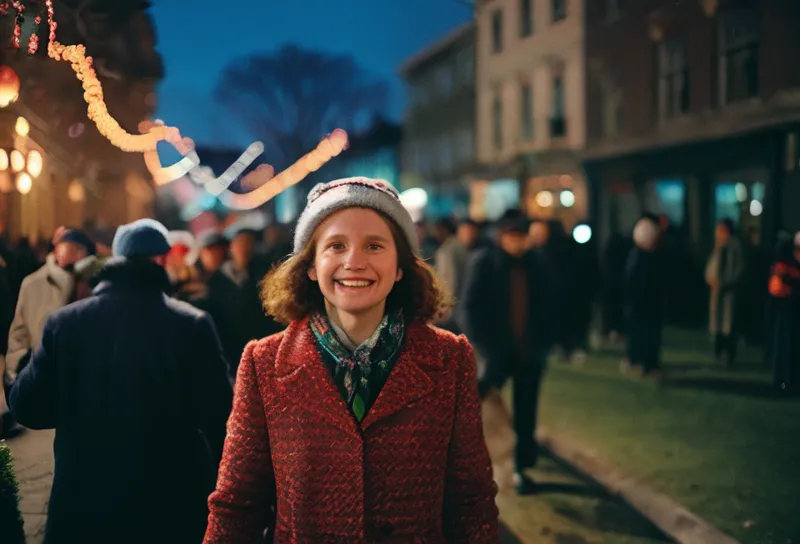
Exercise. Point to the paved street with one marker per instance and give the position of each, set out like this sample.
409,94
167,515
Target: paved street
568,509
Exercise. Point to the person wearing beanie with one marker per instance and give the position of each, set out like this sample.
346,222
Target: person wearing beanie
360,422
504,311
136,387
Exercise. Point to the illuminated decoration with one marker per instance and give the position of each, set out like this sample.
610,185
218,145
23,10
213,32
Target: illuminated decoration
567,199
414,201
35,163
24,183
582,234
76,191
3,160
22,127
17,160
266,184
9,86
544,199
756,208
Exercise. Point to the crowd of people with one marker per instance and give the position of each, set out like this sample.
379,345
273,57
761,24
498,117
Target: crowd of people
193,401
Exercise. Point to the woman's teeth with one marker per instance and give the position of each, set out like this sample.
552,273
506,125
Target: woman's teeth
350,283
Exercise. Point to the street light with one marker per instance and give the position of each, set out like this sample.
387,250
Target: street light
9,86
24,183
14,164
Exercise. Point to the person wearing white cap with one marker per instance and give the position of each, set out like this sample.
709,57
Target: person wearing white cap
360,422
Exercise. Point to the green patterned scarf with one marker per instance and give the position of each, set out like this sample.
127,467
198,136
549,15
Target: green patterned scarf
360,374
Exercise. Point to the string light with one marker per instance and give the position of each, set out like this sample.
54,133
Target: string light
268,185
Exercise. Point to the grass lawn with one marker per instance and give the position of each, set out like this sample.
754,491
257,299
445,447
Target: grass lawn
719,442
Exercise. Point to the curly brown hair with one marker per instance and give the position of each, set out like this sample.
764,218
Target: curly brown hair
288,294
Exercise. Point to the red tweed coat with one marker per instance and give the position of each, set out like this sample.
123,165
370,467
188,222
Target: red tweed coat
416,469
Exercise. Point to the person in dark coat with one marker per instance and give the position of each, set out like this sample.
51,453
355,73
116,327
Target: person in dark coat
504,312
784,329
644,298
136,387
220,296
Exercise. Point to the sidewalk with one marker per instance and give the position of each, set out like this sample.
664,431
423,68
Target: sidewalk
569,510
33,462
721,443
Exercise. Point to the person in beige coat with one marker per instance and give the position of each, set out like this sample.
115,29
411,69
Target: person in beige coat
49,288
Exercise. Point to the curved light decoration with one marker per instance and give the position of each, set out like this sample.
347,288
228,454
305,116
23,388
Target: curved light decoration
24,183
267,184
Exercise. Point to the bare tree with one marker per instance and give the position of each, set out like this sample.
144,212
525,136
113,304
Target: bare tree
291,98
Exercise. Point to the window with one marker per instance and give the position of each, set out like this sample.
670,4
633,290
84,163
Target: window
497,123
525,18
558,126
612,111
444,80
673,80
497,31
559,10
466,65
526,112
738,36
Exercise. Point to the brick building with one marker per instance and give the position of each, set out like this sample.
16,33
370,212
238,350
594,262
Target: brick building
694,112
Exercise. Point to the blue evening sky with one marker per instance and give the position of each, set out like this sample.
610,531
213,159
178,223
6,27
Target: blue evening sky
197,42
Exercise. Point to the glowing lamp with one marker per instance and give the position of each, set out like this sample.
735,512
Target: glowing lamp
76,192
9,86
24,183
567,199
582,234
544,199
3,160
22,127
35,163
17,160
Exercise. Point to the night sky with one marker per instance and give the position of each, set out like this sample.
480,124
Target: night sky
196,44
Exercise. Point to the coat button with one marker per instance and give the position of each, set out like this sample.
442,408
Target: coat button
387,529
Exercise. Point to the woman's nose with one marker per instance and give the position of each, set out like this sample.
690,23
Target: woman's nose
355,259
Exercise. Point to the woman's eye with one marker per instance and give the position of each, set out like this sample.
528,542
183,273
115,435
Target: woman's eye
374,247
337,246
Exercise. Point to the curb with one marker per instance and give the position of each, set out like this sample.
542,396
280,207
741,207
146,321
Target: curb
666,514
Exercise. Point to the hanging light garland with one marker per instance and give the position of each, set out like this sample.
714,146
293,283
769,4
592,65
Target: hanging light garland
267,184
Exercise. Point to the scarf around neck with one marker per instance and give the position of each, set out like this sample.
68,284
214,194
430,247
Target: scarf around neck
360,373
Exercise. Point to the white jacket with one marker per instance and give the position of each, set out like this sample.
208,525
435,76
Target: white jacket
41,293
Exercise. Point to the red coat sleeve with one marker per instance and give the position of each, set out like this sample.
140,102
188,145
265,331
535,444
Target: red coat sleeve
470,512
240,507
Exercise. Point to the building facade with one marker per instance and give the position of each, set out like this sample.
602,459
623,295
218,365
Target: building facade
694,113
530,108
438,150
83,179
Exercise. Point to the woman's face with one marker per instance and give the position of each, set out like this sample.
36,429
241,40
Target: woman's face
355,262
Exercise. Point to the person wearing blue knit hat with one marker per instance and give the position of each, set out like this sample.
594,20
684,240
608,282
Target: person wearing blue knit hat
136,386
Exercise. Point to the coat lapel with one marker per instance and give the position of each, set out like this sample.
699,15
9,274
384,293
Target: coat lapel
303,380
408,381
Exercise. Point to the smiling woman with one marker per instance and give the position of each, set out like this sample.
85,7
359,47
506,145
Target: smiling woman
360,422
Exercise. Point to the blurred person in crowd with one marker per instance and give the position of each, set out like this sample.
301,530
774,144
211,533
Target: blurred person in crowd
556,250
504,311
725,272
784,329
49,288
181,265
276,244
220,296
246,270
136,387
645,291
360,386
427,242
